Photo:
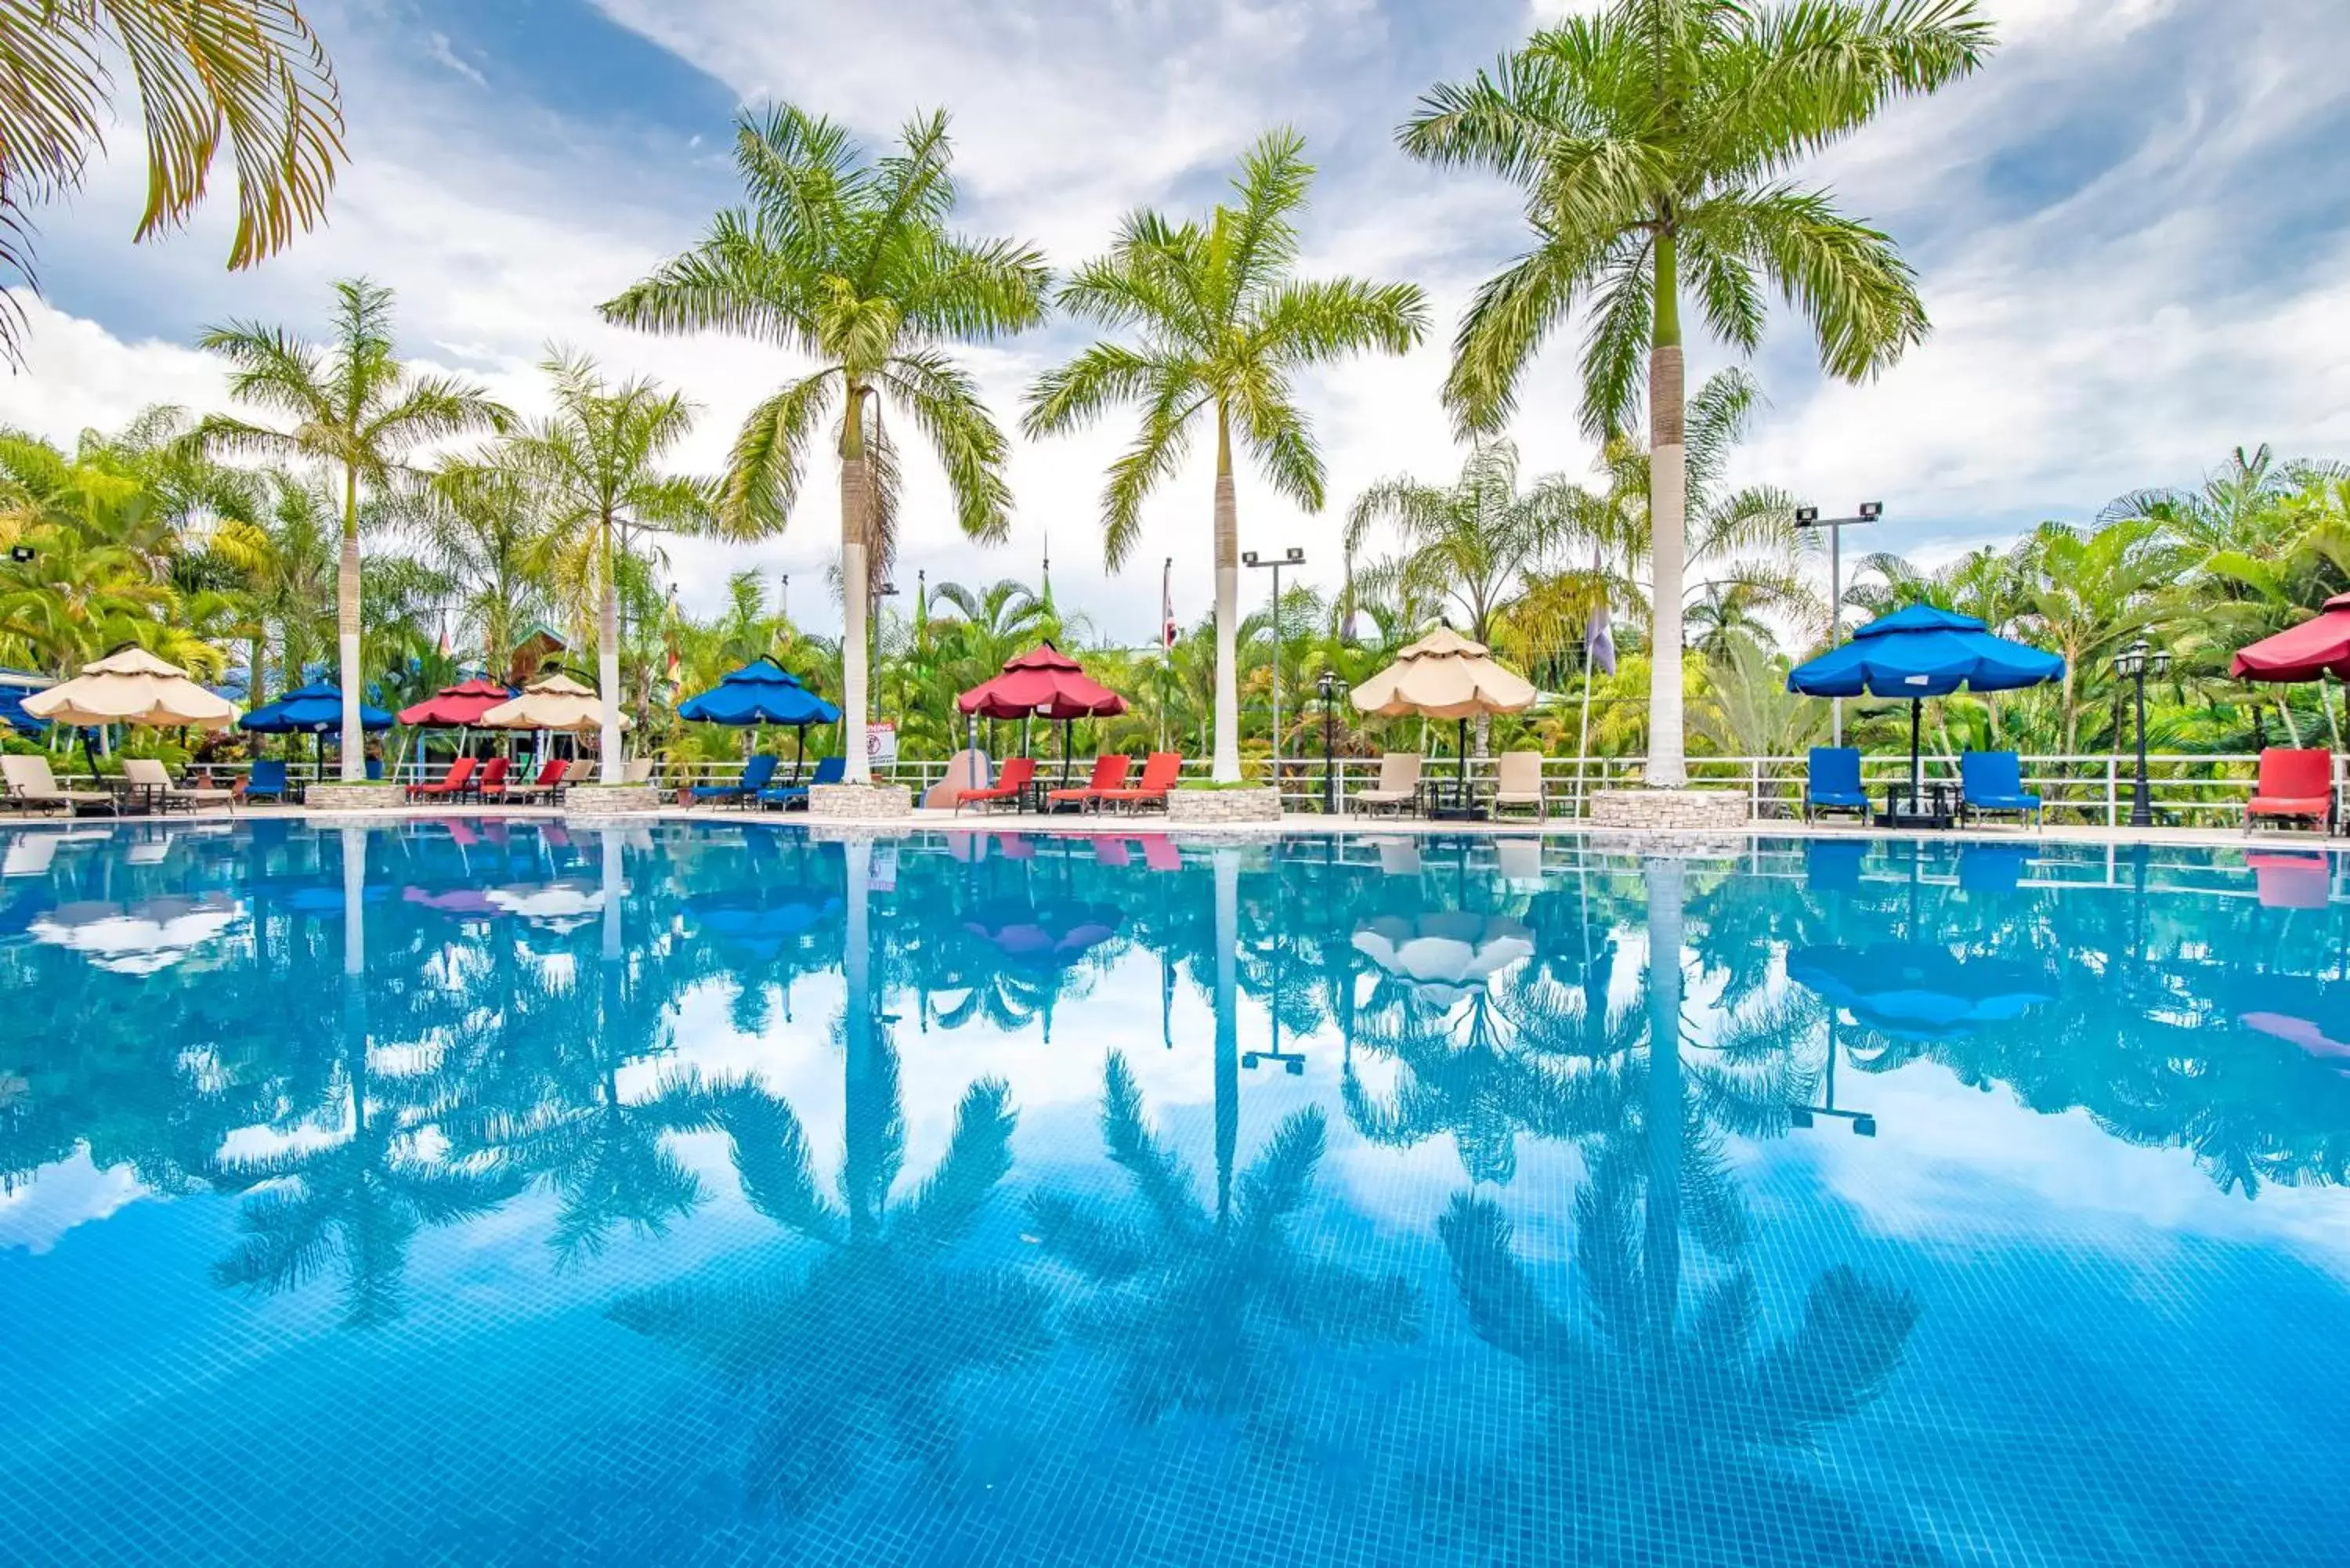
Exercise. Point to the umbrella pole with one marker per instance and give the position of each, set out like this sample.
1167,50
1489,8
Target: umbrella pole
800,755
1461,750
1917,777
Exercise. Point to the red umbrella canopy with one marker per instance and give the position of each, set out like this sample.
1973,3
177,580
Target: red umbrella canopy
2301,652
461,705
1044,682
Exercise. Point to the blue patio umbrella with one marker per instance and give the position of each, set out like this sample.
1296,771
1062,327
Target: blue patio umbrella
314,708
761,693
1919,651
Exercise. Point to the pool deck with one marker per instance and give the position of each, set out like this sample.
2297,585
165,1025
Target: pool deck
1090,824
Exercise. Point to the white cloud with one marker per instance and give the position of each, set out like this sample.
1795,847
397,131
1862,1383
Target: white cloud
437,45
2123,330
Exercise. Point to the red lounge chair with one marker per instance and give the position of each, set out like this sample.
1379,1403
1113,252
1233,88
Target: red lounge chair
1110,775
549,783
1010,785
2293,786
452,782
1160,772
493,781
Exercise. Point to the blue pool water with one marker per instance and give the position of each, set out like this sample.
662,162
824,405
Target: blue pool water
477,1192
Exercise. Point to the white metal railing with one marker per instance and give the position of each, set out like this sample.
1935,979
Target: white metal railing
2187,789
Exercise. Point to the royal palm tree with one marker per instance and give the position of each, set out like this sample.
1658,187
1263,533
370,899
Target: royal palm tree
1224,326
484,527
1654,141
247,73
1470,546
850,263
355,409
598,464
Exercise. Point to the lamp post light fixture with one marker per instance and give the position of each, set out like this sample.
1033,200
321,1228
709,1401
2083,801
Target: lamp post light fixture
1292,556
1809,518
2133,664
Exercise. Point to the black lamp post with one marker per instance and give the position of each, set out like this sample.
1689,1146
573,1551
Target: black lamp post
1326,685
2133,664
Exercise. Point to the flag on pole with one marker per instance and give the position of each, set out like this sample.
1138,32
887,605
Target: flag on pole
1599,643
1167,605
442,646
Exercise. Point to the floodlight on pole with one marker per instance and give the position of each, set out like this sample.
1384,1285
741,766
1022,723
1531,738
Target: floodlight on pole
1809,518
1292,556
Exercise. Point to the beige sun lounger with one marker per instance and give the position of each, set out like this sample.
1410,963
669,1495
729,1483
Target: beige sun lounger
640,770
31,786
147,773
1521,782
1399,784
581,771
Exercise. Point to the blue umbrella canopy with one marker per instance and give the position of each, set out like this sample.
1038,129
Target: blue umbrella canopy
1921,651
317,707
759,693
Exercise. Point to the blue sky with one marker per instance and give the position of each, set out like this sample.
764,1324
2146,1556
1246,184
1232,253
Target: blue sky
2130,233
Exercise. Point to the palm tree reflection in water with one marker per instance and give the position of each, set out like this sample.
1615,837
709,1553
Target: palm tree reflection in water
864,1348
1655,1421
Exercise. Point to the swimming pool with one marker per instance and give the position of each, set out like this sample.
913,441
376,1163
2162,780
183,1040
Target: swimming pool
476,1191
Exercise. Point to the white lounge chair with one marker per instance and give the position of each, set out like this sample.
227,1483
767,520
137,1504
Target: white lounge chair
147,774
1520,782
1399,785
640,770
32,787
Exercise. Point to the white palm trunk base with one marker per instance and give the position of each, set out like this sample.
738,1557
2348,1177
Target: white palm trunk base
855,603
608,681
1228,602
1668,527
347,627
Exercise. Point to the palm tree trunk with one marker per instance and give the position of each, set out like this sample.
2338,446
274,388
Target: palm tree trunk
1667,516
855,590
1228,592
607,665
347,628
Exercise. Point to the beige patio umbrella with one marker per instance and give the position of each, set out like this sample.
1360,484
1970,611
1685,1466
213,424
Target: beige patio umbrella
1445,676
551,702
132,686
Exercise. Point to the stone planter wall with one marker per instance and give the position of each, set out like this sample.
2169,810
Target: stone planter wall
353,797
861,803
1650,810
1224,805
609,800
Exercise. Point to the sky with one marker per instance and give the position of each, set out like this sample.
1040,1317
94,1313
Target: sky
2129,232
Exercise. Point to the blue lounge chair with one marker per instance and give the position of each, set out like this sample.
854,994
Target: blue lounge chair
742,791
1990,783
828,771
1831,783
267,781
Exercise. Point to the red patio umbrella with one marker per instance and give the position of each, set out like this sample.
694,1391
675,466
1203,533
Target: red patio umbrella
458,707
2320,646
1042,683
